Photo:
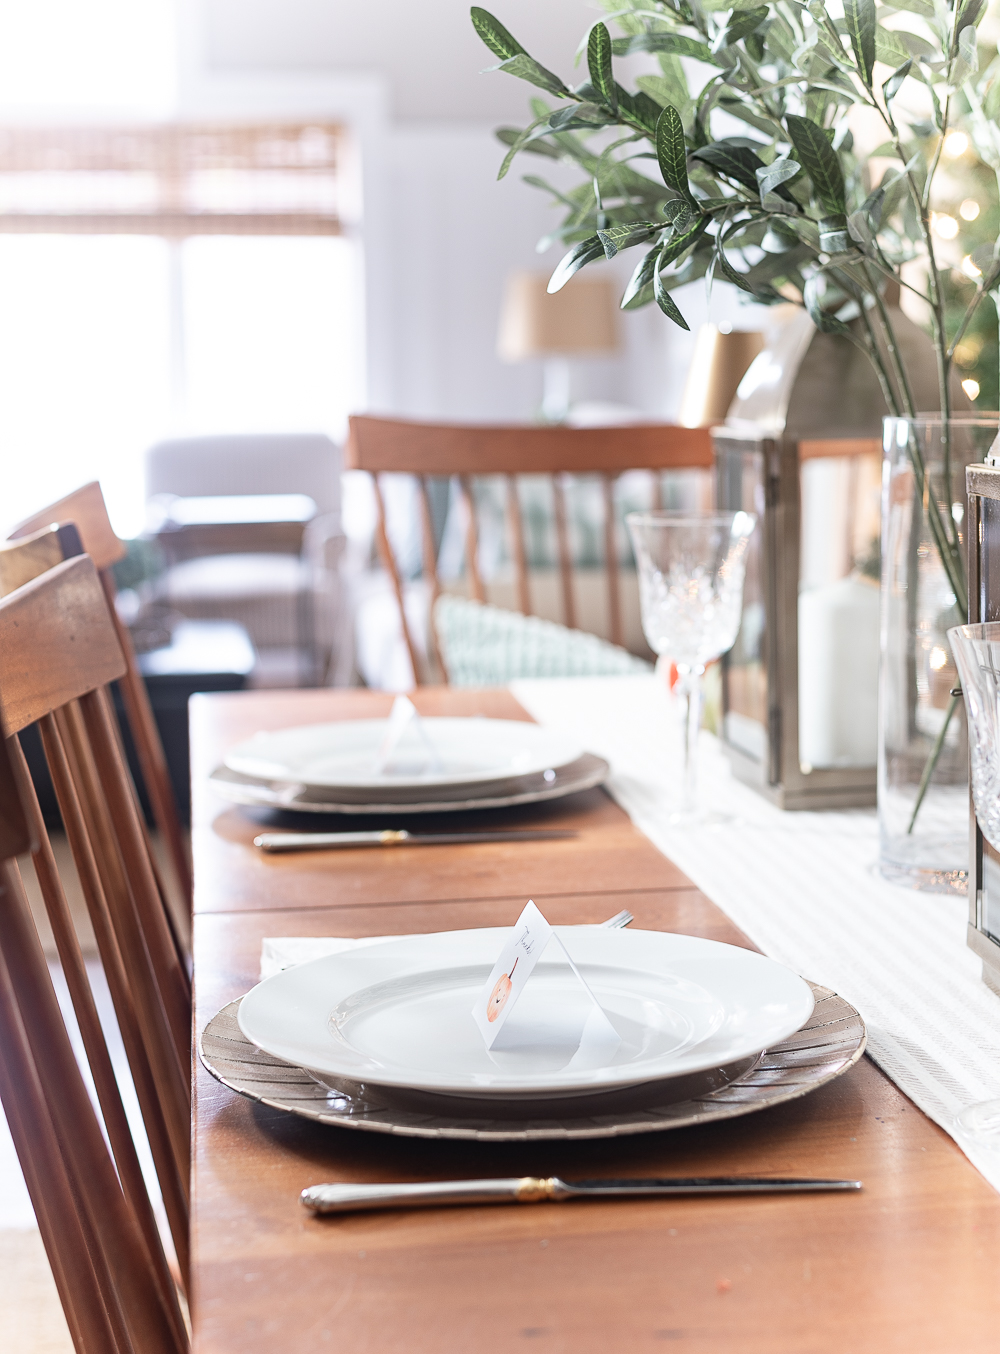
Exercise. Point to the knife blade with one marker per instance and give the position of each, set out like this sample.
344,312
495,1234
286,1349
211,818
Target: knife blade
316,841
348,1198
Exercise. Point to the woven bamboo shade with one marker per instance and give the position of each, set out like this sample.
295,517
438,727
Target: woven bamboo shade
171,180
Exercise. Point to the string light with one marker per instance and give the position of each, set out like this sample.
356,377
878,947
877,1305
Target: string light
970,270
969,209
944,225
955,144
971,388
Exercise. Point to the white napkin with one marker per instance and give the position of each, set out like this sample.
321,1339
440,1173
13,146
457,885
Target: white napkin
281,952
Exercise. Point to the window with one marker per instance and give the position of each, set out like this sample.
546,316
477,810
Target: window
163,279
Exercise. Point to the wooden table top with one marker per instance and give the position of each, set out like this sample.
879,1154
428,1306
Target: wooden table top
910,1264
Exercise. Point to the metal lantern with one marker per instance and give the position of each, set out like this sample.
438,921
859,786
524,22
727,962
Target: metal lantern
802,449
983,536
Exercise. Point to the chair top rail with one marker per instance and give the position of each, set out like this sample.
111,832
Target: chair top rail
86,508
58,642
386,445
24,559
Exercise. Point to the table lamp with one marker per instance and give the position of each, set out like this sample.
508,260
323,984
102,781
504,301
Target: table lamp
581,320
719,363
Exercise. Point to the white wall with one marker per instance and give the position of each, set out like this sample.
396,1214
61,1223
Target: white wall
440,234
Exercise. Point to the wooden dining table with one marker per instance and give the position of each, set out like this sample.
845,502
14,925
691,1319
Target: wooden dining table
910,1264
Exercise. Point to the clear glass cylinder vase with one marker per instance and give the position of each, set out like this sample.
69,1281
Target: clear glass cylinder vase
923,776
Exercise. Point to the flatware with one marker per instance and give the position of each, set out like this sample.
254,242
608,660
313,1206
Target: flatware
325,841
619,920
345,1198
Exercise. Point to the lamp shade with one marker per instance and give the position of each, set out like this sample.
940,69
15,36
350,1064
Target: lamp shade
580,319
718,365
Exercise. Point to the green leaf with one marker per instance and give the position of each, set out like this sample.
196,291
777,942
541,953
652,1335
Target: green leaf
527,68
892,86
820,162
673,43
666,302
890,48
616,238
647,110
861,25
967,48
599,65
493,33
522,139
742,22
924,8
771,176
674,248
639,281
679,213
586,251
822,319
671,152
730,273
737,162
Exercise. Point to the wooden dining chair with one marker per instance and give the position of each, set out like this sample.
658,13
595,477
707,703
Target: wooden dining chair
92,1209
401,446
58,652
86,510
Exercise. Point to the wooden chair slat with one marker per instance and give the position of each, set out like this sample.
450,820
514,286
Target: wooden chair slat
113,1241
149,748
611,561
86,509
165,1131
517,542
389,564
72,616
471,539
108,1095
562,547
44,1171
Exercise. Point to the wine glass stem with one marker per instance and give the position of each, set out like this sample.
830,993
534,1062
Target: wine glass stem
690,692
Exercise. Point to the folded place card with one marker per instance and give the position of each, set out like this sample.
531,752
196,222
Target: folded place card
402,717
590,1029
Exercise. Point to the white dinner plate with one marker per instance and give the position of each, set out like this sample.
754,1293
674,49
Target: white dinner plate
400,1013
345,753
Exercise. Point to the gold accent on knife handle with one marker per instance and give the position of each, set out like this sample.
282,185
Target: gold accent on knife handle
531,1190
390,838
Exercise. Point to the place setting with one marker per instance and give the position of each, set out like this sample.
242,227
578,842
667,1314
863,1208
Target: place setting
405,764
528,1034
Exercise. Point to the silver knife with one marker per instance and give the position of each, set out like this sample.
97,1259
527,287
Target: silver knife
344,1198
312,841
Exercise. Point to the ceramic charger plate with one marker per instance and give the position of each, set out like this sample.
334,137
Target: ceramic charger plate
433,752
398,1014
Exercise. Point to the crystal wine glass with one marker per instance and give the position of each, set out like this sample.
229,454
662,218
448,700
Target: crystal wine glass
691,568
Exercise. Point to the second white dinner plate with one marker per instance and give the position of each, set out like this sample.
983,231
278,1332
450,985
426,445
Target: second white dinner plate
400,1013
440,752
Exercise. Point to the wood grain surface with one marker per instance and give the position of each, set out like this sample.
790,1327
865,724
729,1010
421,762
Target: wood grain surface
909,1264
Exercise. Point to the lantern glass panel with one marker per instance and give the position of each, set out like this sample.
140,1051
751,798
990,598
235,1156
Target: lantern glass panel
741,488
838,611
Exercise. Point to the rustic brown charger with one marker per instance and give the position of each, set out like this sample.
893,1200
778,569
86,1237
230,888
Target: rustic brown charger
910,1264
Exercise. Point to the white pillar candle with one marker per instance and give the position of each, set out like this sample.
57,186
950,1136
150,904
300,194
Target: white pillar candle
838,674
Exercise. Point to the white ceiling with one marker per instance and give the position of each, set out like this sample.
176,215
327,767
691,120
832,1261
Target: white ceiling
427,50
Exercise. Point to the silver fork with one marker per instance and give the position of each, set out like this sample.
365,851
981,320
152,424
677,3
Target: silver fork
619,920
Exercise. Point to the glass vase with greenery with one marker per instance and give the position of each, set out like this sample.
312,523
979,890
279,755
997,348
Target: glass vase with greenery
737,160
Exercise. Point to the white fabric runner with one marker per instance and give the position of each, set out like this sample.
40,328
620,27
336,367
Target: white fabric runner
803,887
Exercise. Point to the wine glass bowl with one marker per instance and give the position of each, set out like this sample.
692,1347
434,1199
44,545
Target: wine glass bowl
691,568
